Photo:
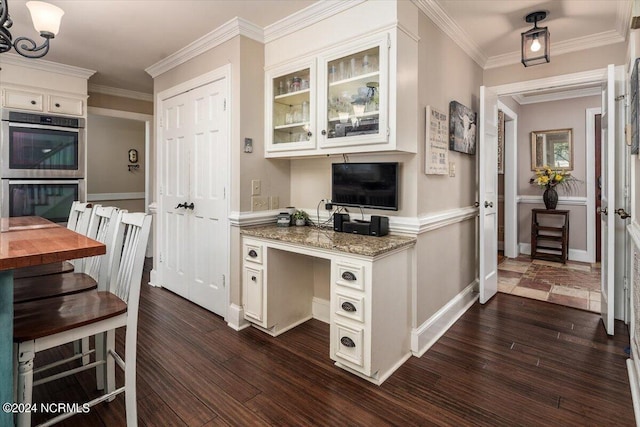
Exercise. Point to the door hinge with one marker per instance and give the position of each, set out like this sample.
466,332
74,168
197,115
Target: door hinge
388,131
160,122
388,41
160,257
224,281
224,108
224,192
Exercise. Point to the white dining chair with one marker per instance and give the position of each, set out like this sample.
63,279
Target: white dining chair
44,324
79,219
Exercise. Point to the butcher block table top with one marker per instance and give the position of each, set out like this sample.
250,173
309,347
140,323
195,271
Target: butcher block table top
28,241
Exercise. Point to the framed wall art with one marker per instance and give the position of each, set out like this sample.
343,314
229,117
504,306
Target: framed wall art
462,128
436,147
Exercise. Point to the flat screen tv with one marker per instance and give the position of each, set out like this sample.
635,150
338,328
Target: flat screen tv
367,185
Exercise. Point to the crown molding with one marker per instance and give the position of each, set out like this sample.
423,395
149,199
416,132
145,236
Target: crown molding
123,93
574,45
44,65
230,29
306,17
460,37
564,80
557,96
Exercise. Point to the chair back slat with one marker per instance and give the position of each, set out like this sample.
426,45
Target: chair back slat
130,243
101,228
80,217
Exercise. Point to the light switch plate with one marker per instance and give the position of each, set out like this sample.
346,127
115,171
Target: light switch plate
259,203
256,187
452,169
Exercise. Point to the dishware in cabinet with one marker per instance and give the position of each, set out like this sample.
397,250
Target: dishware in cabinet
353,98
291,104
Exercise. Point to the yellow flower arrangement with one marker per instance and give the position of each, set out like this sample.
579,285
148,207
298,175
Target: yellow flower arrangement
549,178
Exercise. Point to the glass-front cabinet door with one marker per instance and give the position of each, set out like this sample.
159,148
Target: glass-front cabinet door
291,108
354,95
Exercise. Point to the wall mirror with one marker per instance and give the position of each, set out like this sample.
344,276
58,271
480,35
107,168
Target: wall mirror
553,148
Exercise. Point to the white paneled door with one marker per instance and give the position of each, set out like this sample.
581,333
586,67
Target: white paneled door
194,227
488,193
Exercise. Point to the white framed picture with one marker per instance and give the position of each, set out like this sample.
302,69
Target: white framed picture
436,144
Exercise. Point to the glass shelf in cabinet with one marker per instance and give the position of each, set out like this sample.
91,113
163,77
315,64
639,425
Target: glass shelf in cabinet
351,116
292,97
304,125
358,78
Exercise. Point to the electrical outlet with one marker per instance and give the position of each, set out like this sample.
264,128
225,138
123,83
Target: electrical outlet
259,203
452,169
255,187
274,202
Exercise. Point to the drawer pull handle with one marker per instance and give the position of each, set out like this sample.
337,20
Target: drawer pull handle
57,105
347,275
347,342
33,102
253,278
253,254
347,306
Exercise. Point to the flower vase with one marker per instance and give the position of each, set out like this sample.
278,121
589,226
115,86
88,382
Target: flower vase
550,198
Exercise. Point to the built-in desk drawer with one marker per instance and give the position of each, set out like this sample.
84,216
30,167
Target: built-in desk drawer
252,251
350,275
349,306
349,344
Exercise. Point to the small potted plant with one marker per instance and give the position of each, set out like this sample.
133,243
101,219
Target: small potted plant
300,217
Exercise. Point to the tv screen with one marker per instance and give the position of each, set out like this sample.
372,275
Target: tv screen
367,185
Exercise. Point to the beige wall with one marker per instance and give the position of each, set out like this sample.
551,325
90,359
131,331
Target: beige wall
108,142
111,102
583,60
570,113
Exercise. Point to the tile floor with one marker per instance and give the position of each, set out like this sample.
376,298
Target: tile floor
574,284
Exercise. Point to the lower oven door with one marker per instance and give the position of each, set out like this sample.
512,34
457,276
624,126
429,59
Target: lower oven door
47,198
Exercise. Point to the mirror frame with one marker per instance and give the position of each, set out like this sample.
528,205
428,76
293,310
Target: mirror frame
534,138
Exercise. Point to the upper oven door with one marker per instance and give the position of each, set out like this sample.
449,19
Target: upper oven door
41,151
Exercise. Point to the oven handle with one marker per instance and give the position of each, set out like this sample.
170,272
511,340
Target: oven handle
43,181
45,127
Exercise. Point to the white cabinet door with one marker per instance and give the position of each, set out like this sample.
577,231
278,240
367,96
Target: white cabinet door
354,94
253,295
64,105
291,107
194,175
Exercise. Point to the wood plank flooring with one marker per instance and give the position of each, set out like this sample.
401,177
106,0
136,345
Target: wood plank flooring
514,361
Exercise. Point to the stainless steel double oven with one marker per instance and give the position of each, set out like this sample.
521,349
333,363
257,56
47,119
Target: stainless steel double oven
42,164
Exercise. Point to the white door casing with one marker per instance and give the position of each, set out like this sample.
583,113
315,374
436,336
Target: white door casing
488,193
607,214
194,151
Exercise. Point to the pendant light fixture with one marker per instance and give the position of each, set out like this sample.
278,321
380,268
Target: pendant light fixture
46,20
535,42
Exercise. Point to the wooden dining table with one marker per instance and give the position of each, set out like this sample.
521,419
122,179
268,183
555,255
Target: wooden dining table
28,241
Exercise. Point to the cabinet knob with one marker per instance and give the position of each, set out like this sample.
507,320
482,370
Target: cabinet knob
33,102
253,278
347,275
347,342
309,134
57,104
324,132
253,253
347,306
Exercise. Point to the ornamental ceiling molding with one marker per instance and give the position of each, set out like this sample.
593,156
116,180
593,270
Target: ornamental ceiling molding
9,58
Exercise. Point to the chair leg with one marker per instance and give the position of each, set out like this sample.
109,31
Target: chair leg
130,379
110,346
25,355
81,346
100,355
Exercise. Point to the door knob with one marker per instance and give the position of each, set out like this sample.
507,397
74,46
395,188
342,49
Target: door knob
476,204
189,206
623,214
488,204
181,205
604,211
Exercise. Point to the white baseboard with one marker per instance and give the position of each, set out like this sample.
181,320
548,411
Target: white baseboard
632,371
574,254
235,318
320,309
423,337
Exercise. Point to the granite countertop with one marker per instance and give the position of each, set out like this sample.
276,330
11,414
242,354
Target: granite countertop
328,239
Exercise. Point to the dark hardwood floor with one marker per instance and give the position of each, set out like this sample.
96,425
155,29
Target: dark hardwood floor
514,361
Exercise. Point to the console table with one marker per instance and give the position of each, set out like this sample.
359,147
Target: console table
370,291
551,236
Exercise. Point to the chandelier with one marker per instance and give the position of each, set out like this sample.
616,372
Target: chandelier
535,42
46,20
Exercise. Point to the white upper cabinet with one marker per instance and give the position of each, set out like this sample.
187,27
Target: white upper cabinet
291,107
334,102
354,94
42,101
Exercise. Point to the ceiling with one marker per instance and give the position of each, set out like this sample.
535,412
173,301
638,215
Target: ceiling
121,38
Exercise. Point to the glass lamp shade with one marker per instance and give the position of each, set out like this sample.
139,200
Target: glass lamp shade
46,17
535,46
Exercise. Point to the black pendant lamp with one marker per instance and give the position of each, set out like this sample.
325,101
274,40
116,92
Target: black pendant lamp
535,42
